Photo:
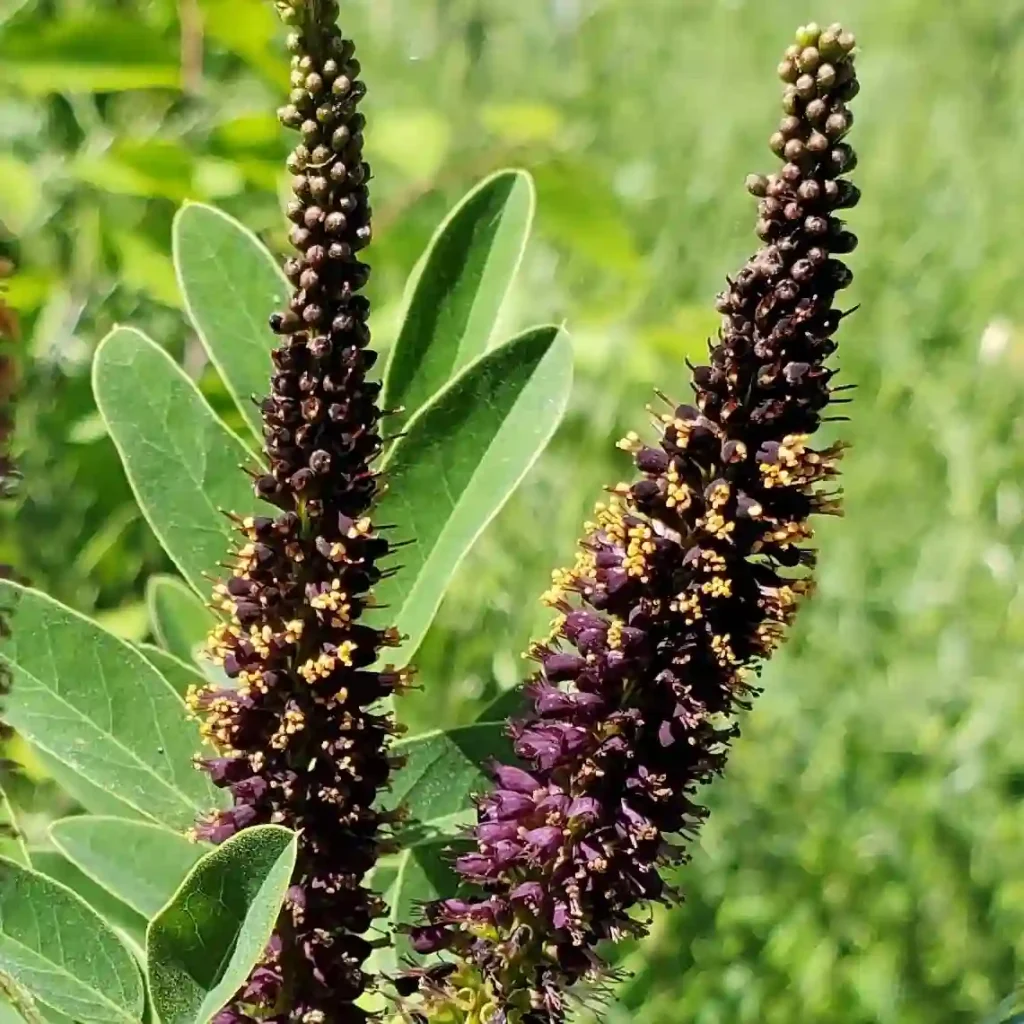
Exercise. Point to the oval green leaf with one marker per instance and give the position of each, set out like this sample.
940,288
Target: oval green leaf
178,674
464,277
93,702
143,865
63,953
442,772
94,799
203,944
129,925
231,284
416,876
181,460
179,619
461,457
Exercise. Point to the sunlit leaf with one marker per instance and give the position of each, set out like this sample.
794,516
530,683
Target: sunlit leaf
231,285
141,864
465,275
461,457
182,462
63,953
92,701
203,944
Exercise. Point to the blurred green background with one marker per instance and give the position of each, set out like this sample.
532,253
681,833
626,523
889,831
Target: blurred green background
865,858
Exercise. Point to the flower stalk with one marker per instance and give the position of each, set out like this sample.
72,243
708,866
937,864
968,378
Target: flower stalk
300,736
684,583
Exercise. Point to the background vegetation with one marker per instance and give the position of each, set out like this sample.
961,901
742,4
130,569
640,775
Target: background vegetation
863,862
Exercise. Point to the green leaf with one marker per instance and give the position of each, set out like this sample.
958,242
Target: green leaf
461,457
441,773
505,706
231,285
203,944
95,799
12,844
63,953
95,53
179,675
92,701
467,272
180,459
141,864
21,193
180,620
122,918
17,1005
419,875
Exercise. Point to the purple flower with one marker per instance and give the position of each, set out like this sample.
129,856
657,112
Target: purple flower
684,583
300,740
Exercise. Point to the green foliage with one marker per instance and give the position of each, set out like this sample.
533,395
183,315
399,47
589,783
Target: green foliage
861,864
477,436
203,944
179,674
421,873
69,677
461,284
12,843
63,953
231,285
461,457
97,53
179,619
441,773
141,864
183,463
129,925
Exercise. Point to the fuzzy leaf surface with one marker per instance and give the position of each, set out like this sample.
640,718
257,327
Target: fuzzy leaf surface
203,944
181,460
459,288
63,953
462,456
93,702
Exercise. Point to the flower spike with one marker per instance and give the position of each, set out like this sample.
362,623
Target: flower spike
684,583
299,736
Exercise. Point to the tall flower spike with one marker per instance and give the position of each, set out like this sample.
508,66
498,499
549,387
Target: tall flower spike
298,739
682,586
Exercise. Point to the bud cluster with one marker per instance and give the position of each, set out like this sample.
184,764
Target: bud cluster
683,584
299,733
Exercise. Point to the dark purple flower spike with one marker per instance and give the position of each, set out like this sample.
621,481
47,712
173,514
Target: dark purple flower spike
299,736
683,584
